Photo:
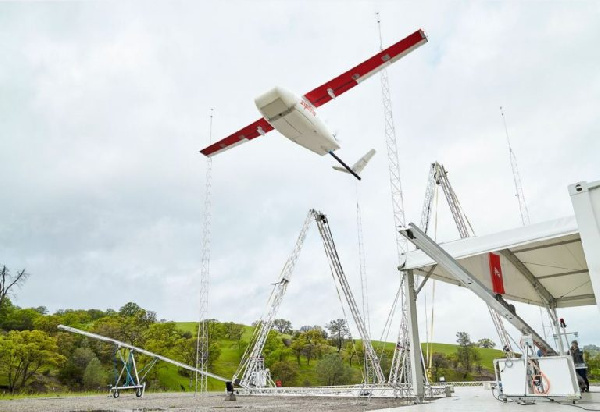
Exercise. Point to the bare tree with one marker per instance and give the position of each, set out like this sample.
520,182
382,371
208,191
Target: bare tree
8,282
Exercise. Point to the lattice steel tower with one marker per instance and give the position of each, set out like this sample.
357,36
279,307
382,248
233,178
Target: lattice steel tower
202,343
400,370
369,372
516,177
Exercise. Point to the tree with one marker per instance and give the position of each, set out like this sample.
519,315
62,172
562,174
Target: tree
310,344
463,338
439,362
272,344
234,331
466,353
48,324
9,282
68,342
42,310
96,314
6,308
297,347
593,364
314,327
283,325
94,376
74,317
161,338
351,351
133,310
23,353
339,331
591,349
331,370
216,330
130,309
313,344
486,343
284,371
129,329
185,351
72,373
20,319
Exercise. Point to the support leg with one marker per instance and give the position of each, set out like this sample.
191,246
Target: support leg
413,332
555,323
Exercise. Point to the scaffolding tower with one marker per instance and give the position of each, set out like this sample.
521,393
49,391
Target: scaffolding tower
400,370
516,177
368,371
251,372
438,177
202,343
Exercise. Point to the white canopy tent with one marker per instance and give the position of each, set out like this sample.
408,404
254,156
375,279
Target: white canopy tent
542,264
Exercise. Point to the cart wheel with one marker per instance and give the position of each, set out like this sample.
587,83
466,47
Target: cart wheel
138,392
116,394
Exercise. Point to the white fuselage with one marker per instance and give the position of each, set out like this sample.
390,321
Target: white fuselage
296,118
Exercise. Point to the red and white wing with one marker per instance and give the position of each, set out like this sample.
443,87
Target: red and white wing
369,67
252,131
327,91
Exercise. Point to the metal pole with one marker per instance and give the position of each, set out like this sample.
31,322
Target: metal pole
415,343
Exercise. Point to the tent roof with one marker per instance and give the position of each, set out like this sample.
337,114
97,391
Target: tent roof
540,262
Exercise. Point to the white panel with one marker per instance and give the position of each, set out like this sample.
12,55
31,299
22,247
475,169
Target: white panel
586,203
507,239
558,370
546,248
561,375
512,376
579,285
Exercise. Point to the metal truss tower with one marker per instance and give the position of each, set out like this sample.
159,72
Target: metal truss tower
251,368
202,346
438,176
251,372
516,177
525,215
369,371
400,371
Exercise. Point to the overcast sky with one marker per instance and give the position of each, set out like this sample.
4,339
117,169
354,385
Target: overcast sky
105,105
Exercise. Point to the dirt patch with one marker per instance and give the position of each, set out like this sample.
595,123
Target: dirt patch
187,402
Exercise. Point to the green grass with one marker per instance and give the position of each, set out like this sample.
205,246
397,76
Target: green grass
227,362
187,326
487,355
229,359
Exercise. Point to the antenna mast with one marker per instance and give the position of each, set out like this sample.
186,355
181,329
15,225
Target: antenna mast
516,177
522,206
369,371
400,370
202,338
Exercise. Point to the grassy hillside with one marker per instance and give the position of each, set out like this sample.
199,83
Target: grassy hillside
225,365
230,356
487,355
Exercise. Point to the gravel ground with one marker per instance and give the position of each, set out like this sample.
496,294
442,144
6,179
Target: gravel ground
151,402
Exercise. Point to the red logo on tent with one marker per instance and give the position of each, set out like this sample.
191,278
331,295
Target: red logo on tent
496,273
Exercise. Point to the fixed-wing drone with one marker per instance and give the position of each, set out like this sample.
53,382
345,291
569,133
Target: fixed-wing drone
296,118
